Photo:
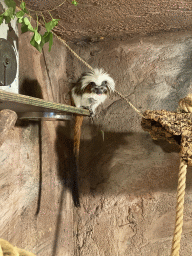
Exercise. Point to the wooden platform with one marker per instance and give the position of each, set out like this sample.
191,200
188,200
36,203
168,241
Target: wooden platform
22,103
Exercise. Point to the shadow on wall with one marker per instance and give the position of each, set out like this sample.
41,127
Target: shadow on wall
122,163
96,155
88,151
31,87
129,163
67,170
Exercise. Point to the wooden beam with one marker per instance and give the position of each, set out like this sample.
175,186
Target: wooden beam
23,103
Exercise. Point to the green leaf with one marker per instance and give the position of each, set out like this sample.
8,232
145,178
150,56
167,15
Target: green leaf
8,15
50,41
26,25
20,20
20,14
75,2
8,12
22,5
46,37
26,21
51,24
1,19
37,37
35,44
7,19
11,3
24,28
32,42
30,28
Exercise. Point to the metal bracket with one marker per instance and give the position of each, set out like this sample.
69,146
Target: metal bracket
44,116
32,108
8,63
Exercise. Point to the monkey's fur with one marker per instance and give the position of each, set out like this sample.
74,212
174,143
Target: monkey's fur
89,92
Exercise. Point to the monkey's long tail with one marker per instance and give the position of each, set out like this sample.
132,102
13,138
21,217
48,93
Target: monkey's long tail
77,136
75,160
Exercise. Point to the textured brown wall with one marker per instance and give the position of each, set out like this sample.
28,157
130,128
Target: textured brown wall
24,163
97,20
127,182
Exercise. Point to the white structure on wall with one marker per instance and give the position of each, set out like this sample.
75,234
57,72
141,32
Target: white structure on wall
12,37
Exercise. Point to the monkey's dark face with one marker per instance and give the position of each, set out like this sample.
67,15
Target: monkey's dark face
97,89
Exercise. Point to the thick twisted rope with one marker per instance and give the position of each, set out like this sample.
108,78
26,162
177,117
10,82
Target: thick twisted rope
130,104
179,208
8,249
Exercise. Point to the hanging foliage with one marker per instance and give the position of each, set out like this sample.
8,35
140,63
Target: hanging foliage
37,39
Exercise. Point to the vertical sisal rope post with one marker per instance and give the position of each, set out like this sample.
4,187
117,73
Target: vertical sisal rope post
169,125
179,208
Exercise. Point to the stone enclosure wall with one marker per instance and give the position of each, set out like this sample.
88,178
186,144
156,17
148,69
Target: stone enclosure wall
127,181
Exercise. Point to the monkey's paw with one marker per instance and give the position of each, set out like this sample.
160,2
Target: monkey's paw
91,113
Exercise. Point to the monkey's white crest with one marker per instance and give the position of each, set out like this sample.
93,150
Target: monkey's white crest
98,76
92,89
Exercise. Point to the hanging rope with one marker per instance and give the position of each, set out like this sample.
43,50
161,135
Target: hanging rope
185,105
133,107
8,249
91,68
170,125
179,208
73,52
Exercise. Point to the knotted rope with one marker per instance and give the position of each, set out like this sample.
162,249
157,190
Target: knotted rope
175,128
186,106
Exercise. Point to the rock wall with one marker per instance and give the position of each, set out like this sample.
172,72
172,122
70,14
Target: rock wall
127,181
